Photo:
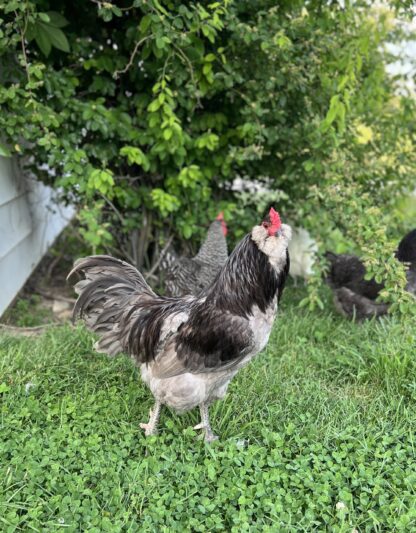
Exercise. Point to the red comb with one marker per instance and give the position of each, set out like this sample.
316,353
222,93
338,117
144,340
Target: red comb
220,217
275,218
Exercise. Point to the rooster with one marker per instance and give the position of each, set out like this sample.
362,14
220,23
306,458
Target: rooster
185,275
353,294
188,348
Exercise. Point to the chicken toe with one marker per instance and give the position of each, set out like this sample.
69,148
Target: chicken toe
210,436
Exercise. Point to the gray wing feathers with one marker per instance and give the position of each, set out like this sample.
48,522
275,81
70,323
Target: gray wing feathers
171,362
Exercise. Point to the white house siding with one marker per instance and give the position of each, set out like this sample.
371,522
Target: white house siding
30,220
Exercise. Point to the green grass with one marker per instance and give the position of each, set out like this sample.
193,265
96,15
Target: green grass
27,312
317,434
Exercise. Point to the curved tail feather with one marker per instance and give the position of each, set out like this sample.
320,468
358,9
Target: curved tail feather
108,296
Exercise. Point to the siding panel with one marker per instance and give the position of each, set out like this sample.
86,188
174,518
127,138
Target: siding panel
15,223
11,185
30,220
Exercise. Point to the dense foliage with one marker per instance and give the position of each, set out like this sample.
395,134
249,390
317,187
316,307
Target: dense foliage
145,112
317,434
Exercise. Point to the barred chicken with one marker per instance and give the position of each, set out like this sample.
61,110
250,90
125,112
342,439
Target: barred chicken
356,296
184,275
188,348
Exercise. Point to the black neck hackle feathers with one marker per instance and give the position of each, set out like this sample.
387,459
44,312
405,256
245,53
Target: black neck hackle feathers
249,269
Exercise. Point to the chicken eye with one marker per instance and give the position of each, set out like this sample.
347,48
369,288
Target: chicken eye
265,225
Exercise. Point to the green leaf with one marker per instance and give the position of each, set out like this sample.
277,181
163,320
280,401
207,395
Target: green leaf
117,11
154,106
145,23
333,109
4,387
42,40
167,134
135,156
282,40
44,17
207,68
160,43
101,180
56,37
4,151
57,20
187,232
30,31
165,202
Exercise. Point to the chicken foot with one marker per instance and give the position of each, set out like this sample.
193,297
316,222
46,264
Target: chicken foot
205,424
151,427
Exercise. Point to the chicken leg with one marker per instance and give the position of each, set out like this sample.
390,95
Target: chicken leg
151,427
205,425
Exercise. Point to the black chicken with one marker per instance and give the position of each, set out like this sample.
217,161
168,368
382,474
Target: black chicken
353,294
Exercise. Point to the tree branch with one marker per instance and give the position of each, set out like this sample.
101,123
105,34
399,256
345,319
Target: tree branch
22,40
191,70
133,55
161,256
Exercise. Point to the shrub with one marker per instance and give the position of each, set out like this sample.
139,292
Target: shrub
145,112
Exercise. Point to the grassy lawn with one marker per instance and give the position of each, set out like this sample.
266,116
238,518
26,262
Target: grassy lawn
317,434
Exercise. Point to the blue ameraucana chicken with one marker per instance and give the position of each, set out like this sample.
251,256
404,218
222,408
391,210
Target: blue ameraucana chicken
188,348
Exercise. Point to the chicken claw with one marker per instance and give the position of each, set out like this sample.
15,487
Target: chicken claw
148,429
210,436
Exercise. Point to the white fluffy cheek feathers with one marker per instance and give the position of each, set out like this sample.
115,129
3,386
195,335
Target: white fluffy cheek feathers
287,232
273,247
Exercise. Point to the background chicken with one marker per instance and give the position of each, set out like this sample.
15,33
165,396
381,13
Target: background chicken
302,250
184,275
353,294
406,251
188,348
